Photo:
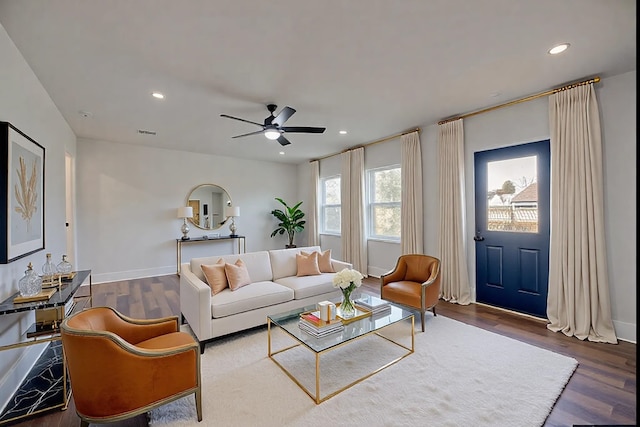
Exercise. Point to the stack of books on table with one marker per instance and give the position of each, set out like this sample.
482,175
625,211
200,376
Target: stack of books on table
313,325
376,305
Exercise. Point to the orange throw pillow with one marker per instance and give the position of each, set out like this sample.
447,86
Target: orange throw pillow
216,276
307,264
237,274
324,261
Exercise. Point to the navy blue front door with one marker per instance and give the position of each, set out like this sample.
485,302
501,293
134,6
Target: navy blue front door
512,227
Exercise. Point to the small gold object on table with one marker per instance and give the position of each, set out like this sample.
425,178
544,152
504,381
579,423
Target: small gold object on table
45,294
360,313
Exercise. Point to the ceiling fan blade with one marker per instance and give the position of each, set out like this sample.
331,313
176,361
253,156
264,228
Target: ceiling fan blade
247,134
303,129
283,116
283,141
242,120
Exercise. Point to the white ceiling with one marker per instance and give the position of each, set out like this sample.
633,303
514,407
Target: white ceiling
371,67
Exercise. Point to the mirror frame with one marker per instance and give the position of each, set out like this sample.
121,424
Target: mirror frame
192,220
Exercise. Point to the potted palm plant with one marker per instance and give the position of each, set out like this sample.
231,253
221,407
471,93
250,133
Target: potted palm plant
291,221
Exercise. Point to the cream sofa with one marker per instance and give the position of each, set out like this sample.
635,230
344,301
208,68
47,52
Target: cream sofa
274,288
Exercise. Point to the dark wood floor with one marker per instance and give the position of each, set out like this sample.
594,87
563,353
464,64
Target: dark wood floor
602,391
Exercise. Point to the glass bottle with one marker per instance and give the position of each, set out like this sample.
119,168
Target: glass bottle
30,284
48,270
64,267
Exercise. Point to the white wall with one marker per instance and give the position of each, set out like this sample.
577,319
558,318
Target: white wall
25,104
127,198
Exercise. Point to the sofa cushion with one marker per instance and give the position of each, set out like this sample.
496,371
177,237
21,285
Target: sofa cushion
237,274
250,297
307,264
257,263
216,276
309,286
283,261
324,261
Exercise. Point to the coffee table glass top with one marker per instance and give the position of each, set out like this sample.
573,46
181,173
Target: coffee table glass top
288,321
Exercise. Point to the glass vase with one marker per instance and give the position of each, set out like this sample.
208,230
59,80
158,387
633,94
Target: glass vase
30,284
347,308
64,267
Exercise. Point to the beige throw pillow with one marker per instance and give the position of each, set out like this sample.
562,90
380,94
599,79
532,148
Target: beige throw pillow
324,261
237,274
216,276
307,264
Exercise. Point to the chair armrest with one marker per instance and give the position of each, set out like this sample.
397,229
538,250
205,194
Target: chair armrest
195,302
432,277
138,330
340,265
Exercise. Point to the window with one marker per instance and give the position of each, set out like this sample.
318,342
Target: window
384,198
330,211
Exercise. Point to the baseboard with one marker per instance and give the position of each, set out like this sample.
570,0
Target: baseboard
132,274
625,331
376,271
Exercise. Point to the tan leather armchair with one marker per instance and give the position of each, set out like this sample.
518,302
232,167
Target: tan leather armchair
121,367
414,282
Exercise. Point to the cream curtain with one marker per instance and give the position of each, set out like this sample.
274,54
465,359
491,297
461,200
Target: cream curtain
411,238
578,302
454,270
312,218
354,244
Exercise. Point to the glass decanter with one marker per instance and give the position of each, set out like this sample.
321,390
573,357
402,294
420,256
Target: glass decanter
64,267
48,270
30,284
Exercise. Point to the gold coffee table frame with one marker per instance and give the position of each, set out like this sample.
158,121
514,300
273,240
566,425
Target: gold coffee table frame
316,397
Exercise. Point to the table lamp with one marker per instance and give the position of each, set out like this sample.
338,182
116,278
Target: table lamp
232,211
185,212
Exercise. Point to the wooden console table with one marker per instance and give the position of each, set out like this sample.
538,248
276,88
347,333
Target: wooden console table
242,245
54,310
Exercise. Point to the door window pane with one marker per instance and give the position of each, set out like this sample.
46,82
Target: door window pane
512,194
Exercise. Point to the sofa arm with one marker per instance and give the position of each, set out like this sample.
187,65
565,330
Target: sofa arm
195,303
340,265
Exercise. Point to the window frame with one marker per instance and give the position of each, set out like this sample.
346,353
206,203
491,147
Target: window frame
324,205
370,183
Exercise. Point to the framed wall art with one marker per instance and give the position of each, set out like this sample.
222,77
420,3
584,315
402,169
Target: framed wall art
22,201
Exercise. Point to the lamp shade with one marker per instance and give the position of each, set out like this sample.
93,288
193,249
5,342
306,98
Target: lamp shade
185,212
232,211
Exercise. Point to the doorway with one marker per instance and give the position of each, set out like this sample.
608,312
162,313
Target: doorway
512,193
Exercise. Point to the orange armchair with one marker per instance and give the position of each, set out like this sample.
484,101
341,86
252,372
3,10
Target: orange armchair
121,367
414,282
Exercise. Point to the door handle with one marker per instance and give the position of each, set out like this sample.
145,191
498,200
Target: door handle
478,237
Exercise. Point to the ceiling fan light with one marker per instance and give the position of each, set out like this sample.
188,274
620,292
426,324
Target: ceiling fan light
272,134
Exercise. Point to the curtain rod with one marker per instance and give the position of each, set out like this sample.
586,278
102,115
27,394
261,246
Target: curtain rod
389,138
517,101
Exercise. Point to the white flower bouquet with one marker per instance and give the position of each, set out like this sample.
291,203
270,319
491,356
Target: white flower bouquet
347,280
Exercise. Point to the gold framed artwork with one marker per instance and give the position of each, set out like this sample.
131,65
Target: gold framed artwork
22,204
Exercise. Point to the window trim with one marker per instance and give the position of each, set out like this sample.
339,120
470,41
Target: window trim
324,205
370,205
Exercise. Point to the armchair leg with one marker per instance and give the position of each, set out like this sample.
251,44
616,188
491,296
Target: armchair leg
198,396
434,311
201,347
84,423
422,319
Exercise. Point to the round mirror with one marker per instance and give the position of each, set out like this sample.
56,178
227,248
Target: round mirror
208,202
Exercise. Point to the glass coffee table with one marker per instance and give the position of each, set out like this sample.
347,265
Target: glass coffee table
352,332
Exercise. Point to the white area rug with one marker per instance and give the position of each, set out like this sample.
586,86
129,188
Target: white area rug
459,375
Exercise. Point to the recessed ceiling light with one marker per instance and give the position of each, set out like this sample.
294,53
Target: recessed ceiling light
157,95
559,48
282,153
85,114
343,132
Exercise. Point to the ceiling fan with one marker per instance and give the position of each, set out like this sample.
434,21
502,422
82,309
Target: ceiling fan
272,127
